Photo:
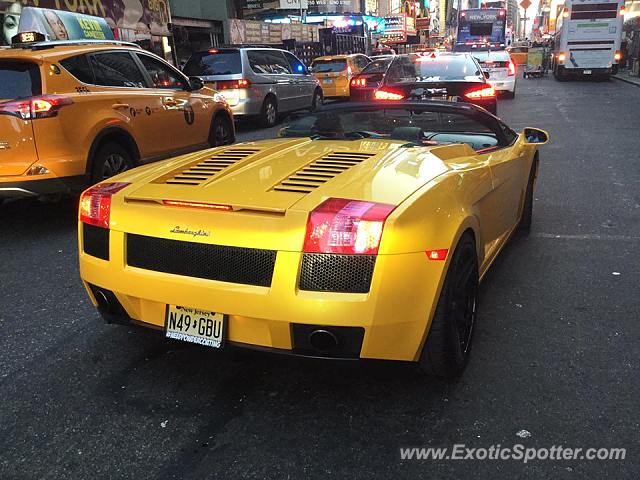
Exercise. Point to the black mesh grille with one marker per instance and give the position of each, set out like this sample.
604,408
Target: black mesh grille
328,272
248,266
95,241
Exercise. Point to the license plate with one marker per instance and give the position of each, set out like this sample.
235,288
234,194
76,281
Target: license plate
587,72
327,81
195,326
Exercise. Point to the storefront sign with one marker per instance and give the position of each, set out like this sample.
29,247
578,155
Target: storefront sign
250,31
294,4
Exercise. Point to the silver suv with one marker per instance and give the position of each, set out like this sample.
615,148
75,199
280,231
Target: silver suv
261,82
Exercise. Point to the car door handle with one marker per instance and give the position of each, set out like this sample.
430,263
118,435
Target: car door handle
118,106
170,102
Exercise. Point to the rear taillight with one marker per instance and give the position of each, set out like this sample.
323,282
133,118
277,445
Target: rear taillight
483,92
346,226
359,82
36,107
617,56
95,203
384,94
561,57
512,68
233,84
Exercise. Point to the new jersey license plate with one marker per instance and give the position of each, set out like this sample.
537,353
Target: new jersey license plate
195,326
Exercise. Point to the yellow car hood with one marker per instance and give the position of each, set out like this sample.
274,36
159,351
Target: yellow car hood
281,174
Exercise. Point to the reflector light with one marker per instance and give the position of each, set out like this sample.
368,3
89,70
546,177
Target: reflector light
440,254
205,206
95,203
387,95
484,92
345,226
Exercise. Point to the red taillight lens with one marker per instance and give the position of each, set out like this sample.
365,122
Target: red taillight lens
481,93
383,94
440,254
512,69
346,226
233,84
95,203
359,82
37,107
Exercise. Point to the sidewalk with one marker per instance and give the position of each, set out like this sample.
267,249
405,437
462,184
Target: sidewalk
625,76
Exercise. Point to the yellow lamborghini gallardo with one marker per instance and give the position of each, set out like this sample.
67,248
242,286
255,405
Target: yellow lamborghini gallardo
362,231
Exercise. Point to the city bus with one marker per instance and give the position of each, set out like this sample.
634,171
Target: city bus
588,36
481,28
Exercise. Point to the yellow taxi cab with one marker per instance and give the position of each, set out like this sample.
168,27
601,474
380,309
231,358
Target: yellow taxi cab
519,54
77,112
334,72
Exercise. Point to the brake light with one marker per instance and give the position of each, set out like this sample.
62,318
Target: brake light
512,69
201,205
233,84
213,51
345,226
488,60
481,93
382,94
95,203
623,10
37,107
359,82
617,56
565,14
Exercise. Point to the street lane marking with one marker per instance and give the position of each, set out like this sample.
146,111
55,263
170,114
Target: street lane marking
589,236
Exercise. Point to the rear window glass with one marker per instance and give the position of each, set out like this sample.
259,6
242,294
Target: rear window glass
325,66
79,67
221,63
19,79
424,68
377,66
501,56
268,62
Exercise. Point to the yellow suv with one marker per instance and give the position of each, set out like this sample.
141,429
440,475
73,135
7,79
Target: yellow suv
334,72
73,113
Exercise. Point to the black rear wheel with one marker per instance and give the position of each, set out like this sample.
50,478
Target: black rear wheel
317,100
269,115
221,132
110,159
446,350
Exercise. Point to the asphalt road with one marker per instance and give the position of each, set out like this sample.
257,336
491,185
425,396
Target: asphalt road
556,348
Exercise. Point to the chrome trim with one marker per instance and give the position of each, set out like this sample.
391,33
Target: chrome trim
17,192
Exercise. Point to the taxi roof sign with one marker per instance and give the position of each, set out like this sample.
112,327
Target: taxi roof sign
28,37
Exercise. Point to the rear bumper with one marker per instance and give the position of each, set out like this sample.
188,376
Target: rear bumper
393,316
23,188
504,85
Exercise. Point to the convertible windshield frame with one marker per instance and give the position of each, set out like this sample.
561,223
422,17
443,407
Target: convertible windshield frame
473,112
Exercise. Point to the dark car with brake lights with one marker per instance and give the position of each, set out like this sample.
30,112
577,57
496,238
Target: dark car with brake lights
437,76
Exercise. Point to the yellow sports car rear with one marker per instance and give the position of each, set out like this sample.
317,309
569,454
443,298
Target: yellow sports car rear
316,244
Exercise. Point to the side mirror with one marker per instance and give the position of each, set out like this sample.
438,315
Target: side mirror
196,83
535,136
310,69
486,74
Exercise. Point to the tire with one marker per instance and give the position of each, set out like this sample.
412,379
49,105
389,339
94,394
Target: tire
221,132
448,345
109,160
527,208
269,115
317,100
510,95
561,75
